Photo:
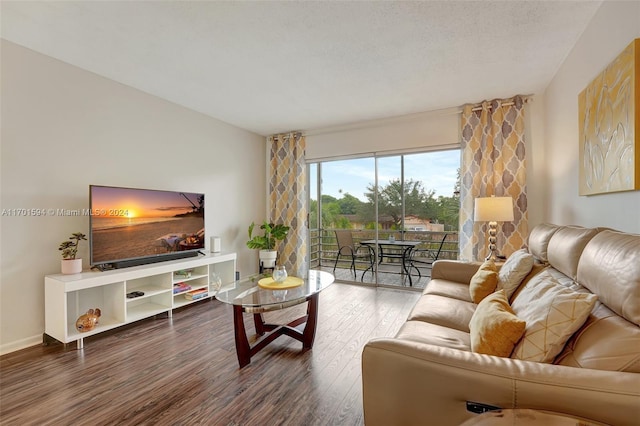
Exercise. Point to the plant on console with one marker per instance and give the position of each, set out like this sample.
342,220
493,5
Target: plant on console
69,247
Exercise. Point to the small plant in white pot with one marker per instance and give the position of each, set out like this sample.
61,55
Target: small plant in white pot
69,249
266,243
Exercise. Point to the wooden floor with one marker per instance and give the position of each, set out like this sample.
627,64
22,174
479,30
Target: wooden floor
184,370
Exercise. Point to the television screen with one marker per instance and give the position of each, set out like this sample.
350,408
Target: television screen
143,225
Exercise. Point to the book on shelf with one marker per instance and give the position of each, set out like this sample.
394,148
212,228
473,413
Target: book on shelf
181,287
196,294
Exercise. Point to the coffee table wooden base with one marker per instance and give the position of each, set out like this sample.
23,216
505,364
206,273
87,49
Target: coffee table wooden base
270,332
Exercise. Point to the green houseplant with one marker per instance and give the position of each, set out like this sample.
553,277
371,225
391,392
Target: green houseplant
266,242
69,249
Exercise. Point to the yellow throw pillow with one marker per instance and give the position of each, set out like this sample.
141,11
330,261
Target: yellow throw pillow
495,329
484,281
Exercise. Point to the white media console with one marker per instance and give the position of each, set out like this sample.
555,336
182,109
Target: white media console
69,296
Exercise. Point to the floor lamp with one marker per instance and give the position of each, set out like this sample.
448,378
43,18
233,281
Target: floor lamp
493,210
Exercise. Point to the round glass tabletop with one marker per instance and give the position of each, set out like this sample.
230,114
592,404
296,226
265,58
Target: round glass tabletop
254,298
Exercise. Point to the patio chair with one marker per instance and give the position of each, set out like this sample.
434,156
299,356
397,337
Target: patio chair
347,248
426,256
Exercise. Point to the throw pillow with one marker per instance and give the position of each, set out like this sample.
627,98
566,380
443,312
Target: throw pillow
511,274
553,313
495,329
483,282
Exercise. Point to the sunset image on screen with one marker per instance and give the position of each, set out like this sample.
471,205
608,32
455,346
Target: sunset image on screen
125,202
131,223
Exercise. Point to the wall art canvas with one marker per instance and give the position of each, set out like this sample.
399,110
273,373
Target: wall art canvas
609,127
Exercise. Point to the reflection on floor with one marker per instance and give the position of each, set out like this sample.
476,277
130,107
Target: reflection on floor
387,275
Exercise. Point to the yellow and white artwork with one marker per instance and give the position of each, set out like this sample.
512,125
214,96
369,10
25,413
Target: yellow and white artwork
609,120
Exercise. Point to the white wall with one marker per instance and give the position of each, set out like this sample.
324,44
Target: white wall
536,164
613,27
431,129
64,128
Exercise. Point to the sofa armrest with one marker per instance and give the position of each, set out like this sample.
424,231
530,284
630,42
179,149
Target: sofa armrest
412,383
454,270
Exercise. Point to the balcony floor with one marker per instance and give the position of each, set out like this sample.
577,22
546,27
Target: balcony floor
387,275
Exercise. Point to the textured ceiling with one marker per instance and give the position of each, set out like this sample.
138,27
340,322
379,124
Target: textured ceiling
278,66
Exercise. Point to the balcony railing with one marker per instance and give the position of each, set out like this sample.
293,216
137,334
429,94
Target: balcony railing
324,247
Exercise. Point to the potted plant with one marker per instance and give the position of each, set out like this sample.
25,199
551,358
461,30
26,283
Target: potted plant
69,249
266,243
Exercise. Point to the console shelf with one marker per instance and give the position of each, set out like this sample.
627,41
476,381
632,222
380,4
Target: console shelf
69,296
193,277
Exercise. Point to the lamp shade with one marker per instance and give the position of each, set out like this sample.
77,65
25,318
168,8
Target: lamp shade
493,209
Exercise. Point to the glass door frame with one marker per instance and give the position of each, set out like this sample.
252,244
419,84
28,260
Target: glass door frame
376,157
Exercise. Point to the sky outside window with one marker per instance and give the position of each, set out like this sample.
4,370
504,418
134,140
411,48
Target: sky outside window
437,170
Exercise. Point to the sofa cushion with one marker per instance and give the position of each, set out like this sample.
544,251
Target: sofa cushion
483,282
449,289
432,334
454,270
538,241
495,329
565,248
606,341
610,268
443,311
535,270
553,313
511,274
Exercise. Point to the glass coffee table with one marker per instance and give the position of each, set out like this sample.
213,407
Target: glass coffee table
251,298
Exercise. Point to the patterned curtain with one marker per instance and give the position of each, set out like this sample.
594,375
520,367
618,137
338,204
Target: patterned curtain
288,199
493,163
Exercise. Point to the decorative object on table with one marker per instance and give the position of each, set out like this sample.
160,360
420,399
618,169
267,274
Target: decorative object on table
493,210
69,249
279,274
88,321
289,282
609,127
266,243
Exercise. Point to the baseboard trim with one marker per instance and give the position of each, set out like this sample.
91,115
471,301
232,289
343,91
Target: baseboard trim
20,344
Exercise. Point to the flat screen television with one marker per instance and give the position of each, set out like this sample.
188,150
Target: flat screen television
130,226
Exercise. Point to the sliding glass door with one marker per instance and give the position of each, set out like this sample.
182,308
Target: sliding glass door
381,219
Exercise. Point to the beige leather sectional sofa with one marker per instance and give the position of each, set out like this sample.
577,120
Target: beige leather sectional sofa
427,373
